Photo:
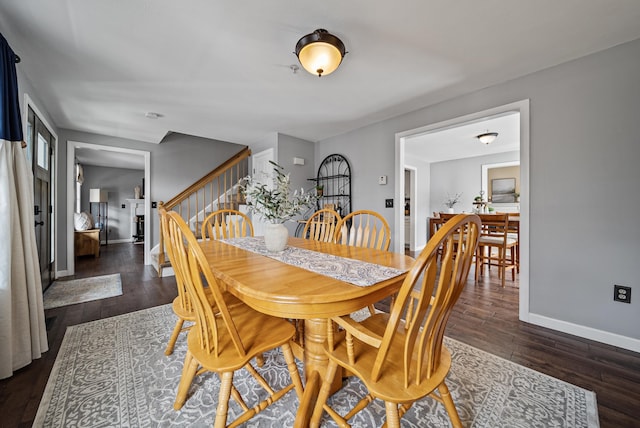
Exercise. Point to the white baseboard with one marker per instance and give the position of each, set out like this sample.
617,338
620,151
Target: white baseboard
61,273
168,271
118,241
586,332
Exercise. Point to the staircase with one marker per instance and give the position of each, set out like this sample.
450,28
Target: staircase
219,189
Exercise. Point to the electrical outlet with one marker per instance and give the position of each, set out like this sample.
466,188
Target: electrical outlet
621,294
388,203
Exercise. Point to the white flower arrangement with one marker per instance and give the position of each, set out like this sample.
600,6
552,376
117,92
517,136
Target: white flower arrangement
278,204
451,201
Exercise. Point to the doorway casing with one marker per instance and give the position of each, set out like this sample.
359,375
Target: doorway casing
519,106
71,151
53,193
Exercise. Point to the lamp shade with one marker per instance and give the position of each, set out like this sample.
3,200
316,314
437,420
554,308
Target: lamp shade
487,137
98,195
320,52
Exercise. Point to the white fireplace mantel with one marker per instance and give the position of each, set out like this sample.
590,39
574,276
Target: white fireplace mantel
137,208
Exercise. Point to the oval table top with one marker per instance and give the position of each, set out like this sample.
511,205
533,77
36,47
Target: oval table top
287,291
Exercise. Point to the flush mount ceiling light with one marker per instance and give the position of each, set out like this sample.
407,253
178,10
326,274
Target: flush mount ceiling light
487,137
320,52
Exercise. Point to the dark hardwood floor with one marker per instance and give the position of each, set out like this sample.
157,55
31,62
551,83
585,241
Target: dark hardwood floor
20,395
486,317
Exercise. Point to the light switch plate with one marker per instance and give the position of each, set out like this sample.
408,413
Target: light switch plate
382,179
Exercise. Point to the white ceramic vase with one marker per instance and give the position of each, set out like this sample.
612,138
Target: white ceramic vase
450,210
275,237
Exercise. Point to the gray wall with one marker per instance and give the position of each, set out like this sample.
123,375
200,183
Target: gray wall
119,184
461,176
371,153
584,176
176,163
288,148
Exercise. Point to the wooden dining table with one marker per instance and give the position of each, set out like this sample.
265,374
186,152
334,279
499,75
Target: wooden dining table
514,224
283,290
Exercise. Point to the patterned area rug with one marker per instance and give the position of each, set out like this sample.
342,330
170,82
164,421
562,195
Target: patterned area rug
113,372
63,293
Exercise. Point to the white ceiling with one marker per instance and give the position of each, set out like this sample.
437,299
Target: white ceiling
461,141
108,158
221,69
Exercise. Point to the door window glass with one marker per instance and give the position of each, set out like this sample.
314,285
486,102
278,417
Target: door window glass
43,152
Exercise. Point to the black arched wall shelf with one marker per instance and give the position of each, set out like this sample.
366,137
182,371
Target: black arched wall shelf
334,183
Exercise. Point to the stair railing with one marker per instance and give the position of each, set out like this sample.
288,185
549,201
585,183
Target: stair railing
219,189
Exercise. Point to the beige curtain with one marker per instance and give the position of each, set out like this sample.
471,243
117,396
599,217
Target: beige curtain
23,335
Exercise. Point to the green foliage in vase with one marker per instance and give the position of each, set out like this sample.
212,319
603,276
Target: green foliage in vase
276,203
452,200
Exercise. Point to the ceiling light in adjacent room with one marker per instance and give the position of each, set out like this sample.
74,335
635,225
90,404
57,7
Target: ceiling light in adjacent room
487,137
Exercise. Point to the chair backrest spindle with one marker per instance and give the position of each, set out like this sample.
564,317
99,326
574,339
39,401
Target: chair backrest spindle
364,228
321,226
225,224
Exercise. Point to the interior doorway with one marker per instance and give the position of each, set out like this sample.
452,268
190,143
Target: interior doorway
411,200
522,108
71,192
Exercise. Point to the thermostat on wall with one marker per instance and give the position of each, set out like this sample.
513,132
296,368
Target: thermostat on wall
382,179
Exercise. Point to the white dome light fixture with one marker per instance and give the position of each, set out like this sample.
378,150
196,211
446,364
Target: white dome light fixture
487,137
320,52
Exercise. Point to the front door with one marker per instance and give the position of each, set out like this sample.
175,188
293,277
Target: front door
40,143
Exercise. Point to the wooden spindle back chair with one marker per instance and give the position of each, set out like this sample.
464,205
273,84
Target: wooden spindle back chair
181,305
400,357
495,235
226,339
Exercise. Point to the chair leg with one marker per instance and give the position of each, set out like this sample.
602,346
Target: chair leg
449,405
226,381
479,253
174,337
188,373
323,395
372,309
503,264
260,360
293,370
393,419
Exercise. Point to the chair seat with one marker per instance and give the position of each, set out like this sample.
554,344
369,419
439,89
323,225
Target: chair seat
259,333
390,386
496,240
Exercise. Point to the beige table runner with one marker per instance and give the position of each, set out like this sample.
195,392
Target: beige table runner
355,272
